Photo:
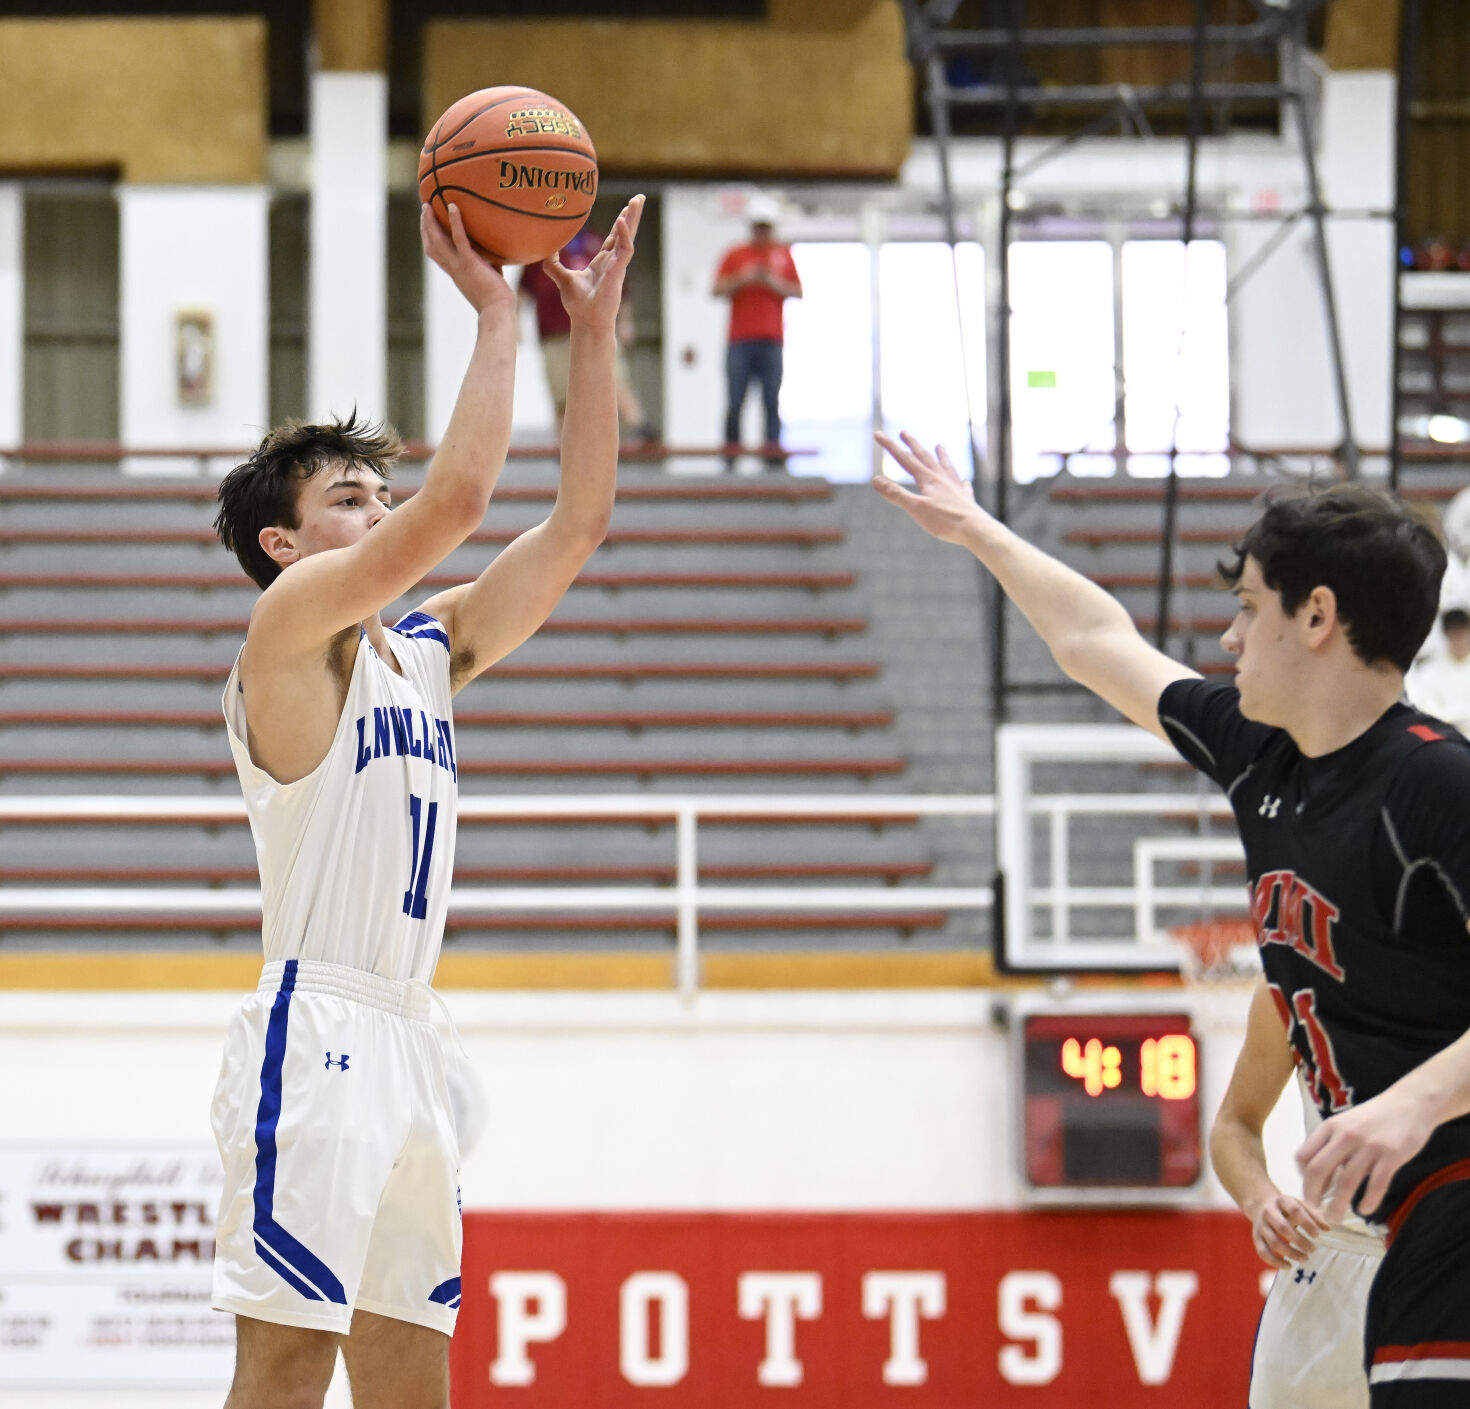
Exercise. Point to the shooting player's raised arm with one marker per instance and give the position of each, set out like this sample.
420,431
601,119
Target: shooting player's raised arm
510,600
324,593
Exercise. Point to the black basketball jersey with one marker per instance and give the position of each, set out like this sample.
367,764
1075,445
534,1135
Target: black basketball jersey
1358,868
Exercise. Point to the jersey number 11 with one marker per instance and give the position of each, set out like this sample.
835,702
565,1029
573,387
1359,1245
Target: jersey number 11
416,897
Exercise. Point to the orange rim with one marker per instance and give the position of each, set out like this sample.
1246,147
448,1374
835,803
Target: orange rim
1211,942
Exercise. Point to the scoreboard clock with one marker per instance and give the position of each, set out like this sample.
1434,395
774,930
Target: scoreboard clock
1109,1102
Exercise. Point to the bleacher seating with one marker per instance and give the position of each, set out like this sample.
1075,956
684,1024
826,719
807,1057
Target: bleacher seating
768,635
709,645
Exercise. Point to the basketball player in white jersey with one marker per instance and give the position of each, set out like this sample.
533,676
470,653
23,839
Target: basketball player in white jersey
339,1222
1309,1345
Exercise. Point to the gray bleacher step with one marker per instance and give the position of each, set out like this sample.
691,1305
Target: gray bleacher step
487,693
919,601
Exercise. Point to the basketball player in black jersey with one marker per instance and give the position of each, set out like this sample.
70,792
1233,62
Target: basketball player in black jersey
1355,814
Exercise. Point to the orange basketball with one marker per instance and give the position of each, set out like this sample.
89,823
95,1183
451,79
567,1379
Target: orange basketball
519,166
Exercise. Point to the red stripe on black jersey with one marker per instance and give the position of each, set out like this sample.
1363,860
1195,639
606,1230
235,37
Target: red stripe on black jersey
1425,1350
1450,1174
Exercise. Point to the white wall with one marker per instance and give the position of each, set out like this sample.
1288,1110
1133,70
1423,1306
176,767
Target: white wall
698,228
754,1101
12,312
347,328
1358,126
813,1101
184,248
449,338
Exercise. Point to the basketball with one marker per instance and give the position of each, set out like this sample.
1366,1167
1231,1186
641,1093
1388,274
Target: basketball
520,167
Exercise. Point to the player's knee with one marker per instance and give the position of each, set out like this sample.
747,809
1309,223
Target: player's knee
404,1397
403,1387
283,1391
281,1368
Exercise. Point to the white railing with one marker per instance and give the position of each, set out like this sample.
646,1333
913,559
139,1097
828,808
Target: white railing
686,898
1019,749
1016,805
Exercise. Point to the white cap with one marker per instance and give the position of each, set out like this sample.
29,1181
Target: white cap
762,209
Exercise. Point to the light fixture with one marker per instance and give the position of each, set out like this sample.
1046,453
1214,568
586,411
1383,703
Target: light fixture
1448,430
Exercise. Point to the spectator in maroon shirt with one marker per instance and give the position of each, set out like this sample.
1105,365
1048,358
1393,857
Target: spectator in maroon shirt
554,329
757,277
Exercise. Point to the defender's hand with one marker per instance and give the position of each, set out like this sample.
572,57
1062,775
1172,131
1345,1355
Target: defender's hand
940,502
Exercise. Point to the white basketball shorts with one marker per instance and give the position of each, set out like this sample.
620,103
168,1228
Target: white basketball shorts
341,1164
1309,1348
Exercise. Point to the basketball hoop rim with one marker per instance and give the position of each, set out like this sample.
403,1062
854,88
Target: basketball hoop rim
1218,952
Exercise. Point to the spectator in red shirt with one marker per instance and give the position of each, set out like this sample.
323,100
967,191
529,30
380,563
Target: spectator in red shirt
757,278
554,328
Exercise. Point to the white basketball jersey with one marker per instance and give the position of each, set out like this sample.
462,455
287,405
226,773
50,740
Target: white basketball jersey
356,858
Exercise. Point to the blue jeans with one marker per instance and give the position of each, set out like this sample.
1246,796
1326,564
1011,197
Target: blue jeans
750,361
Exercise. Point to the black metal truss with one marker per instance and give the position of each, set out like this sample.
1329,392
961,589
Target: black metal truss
1279,25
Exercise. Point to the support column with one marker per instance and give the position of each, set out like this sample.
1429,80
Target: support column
1358,122
193,314
699,224
12,314
347,325
449,339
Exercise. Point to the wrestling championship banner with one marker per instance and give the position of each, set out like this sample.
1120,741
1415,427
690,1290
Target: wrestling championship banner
857,1311
105,1259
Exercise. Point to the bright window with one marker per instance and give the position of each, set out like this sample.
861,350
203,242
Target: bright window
827,386
925,366
1063,389
1176,357
1065,383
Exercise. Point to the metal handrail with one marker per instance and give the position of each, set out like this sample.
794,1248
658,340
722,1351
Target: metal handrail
105,452
686,897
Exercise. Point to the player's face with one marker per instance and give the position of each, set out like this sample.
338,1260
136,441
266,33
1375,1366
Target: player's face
337,506
1267,651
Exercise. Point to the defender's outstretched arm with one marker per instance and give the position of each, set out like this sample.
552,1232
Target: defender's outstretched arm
1088,631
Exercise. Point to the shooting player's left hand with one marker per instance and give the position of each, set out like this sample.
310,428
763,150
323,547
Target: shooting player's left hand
591,296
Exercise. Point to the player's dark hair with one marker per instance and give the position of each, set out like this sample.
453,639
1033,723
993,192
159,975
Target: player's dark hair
1382,560
263,491
1456,619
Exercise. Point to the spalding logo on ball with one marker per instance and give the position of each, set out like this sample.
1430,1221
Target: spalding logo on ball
519,166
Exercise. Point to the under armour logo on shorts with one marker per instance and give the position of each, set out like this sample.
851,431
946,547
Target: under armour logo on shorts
340,1063
1269,807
